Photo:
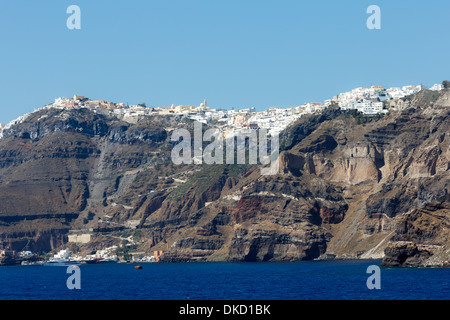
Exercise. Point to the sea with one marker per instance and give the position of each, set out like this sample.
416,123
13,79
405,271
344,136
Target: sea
314,280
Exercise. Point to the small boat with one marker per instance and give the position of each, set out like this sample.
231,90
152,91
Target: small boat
138,267
32,263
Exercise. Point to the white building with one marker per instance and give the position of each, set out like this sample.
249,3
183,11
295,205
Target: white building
368,107
80,238
437,87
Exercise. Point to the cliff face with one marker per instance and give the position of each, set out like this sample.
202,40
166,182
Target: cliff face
377,190
343,190
422,237
58,166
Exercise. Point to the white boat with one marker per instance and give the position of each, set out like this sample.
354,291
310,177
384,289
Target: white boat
62,259
32,263
61,263
112,259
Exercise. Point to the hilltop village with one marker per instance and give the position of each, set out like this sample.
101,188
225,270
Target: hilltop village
367,101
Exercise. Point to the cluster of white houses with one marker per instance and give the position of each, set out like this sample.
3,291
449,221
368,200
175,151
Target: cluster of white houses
368,101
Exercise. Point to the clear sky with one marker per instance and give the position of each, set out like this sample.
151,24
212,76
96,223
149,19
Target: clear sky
234,53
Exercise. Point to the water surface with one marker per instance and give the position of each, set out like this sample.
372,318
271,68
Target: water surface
317,280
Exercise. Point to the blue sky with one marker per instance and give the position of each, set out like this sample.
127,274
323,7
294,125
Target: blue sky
234,53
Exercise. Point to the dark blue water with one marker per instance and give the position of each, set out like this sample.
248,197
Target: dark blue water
225,281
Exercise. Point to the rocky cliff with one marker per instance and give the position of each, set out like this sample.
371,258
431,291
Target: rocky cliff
345,189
